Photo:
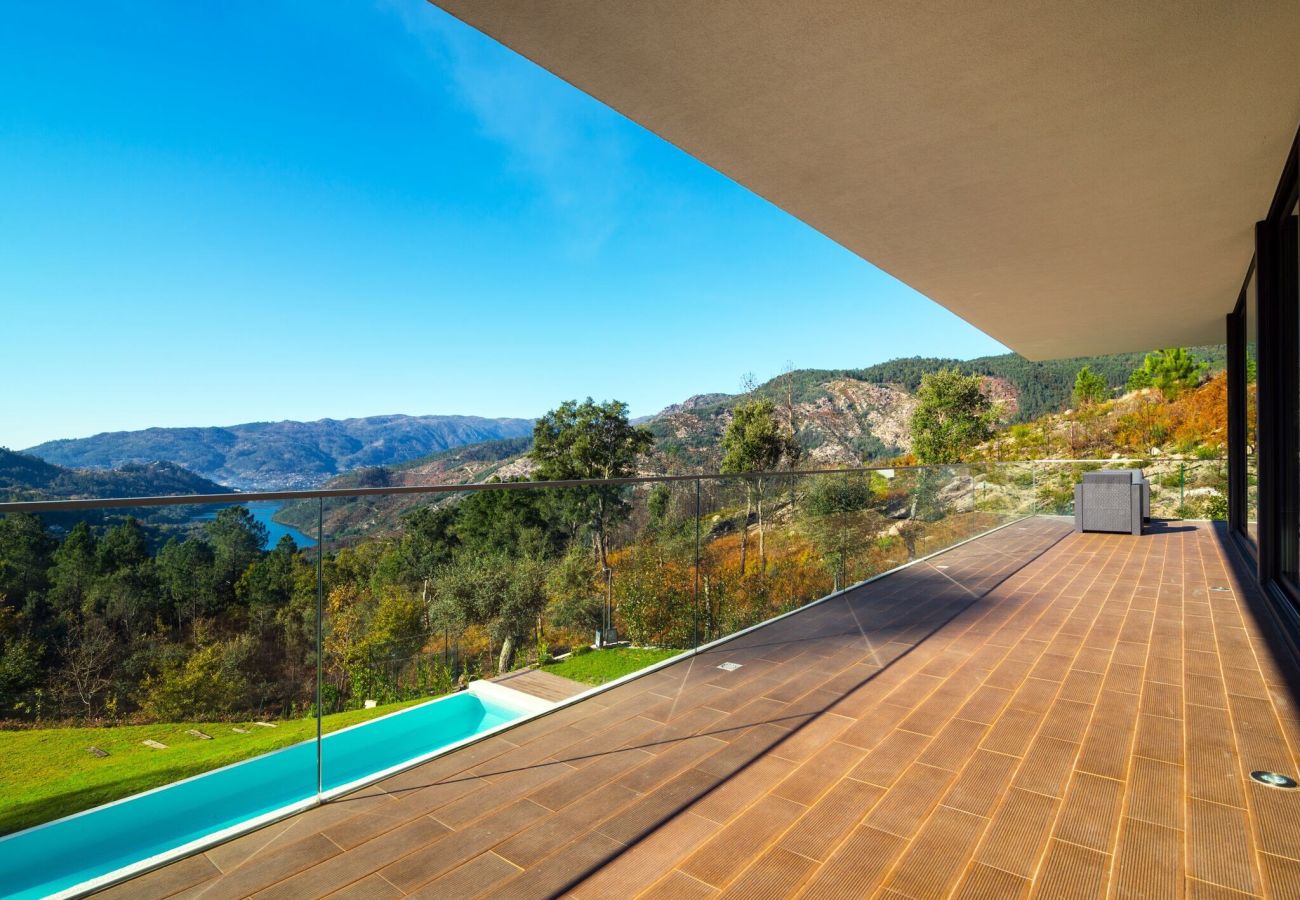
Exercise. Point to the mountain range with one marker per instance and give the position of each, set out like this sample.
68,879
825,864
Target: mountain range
281,455
841,416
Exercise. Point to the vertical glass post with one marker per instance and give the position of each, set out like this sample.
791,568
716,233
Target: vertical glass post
696,590
1033,486
320,634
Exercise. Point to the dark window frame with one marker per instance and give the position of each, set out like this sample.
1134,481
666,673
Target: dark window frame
1276,268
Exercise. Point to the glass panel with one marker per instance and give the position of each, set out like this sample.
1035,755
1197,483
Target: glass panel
157,680
826,532
1004,491
463,611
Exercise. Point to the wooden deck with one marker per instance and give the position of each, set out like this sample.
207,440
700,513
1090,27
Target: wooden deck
1036,712
542,685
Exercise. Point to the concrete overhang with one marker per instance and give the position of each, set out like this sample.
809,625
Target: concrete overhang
1071,178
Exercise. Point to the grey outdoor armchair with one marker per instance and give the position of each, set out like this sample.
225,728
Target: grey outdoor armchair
1115,500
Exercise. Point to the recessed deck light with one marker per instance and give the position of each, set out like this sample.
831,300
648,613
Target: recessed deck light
1221,590
729,666
1274,779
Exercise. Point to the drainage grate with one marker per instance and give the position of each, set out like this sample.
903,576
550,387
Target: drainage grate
1273,779
729,666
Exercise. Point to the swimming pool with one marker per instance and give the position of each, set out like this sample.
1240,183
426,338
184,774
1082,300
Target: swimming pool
63,856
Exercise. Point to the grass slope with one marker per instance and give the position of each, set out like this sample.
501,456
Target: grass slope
48,772
600,666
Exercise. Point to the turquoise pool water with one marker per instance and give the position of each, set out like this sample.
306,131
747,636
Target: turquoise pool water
63,854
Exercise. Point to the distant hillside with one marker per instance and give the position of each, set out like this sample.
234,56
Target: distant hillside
24,477
279,455
463,465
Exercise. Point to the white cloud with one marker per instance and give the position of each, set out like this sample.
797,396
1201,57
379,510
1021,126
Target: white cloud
572,148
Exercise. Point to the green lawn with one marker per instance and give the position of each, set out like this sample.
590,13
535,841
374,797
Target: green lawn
600,666
47,773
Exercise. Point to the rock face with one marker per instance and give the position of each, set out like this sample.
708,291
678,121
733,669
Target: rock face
840,422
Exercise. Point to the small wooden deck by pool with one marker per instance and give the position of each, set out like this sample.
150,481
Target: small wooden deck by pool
1035,712
542,685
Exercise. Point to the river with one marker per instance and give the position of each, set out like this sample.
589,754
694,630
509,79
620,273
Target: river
262,511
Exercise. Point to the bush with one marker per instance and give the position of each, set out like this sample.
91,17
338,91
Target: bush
209,684
1212,507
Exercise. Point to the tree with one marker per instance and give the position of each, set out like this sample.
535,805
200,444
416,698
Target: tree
209,683
1089,387
25,550
839,519
509,521
72,577
505,593
237,540
87,654
1171,371
576,594
186,571
590,441
952,415
126,592
754,442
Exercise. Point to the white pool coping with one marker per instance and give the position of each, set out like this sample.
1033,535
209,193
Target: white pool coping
508,696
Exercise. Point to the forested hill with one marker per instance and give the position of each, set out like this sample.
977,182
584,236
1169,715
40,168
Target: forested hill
24,477
853,416
461,465
278,455
1041,387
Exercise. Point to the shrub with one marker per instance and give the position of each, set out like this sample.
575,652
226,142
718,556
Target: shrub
210,683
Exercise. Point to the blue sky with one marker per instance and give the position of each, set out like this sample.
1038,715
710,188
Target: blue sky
225,212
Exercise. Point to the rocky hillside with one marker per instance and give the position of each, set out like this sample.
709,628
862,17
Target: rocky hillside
280,455
849,417
1137,424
